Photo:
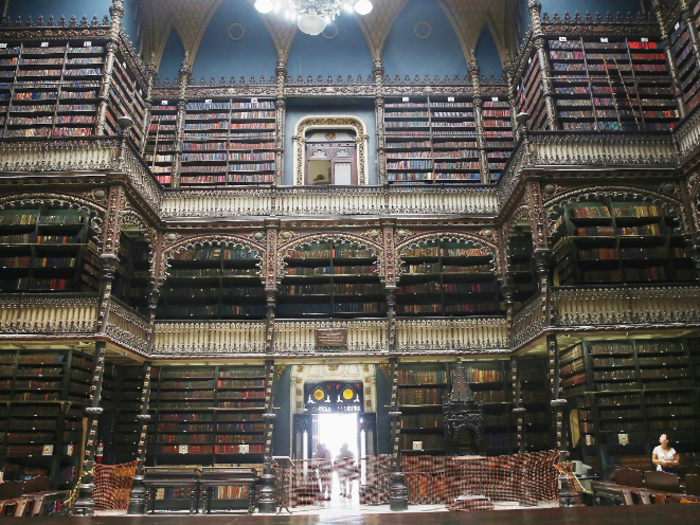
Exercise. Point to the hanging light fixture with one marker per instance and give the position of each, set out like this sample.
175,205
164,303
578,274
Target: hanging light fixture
311,15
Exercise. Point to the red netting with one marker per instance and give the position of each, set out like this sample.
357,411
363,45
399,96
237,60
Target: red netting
113,485
520,480
310,482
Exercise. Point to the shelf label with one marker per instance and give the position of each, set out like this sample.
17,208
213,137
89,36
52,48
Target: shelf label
623,439
3,45
404,99
254,100
644,39
87,43
44,44
124,64
163,102
562,39
604,39
47,450
450,99
494,99
182,449
244,449
678,24
208,101
417,445
69,450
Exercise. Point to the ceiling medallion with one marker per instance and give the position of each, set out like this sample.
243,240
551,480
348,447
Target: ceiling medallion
422,30
236,31
312,16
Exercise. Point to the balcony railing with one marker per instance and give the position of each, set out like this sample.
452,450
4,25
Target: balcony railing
127,327
48,314
293,337
479,335
529,321
642,305
214,338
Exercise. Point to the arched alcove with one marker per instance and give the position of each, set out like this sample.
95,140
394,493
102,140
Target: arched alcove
236,43
486,53
423,42
344,54
173,55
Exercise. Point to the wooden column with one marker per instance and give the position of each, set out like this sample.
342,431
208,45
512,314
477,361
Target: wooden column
398,499
267,499
378,71
658,11
478,103
139,495
116,12
534,8
540,242
148,101
272,226
185,72
280,120
390,277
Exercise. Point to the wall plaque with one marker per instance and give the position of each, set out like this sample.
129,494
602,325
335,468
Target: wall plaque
331,336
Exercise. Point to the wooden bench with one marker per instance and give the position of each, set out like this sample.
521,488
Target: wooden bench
629,495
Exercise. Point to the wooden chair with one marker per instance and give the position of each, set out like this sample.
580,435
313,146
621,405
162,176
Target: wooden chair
662,481
629,477
692,484
11,496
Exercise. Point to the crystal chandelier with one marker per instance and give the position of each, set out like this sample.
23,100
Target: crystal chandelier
313,15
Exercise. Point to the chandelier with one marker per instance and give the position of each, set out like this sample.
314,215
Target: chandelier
313,15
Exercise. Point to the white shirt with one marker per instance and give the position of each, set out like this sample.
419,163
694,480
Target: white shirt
664,456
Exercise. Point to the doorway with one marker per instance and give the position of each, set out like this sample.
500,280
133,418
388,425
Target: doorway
335,430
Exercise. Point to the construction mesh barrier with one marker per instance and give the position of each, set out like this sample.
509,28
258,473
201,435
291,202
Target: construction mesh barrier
481,483
113,485
469,483
310,481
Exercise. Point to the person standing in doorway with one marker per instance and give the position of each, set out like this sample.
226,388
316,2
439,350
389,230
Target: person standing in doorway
324,470
345,465
664,456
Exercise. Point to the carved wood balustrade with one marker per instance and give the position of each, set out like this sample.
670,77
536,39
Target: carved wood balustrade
48,314
214,338
292,337
630,305
483,335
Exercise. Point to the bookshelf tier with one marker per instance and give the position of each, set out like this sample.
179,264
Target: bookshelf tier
447,278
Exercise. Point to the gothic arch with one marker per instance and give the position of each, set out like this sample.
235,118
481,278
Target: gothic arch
182,245
487,247
335,121
317,238
95,211
671,205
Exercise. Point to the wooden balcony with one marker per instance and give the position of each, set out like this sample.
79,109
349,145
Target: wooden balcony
48,314
461,335
175,339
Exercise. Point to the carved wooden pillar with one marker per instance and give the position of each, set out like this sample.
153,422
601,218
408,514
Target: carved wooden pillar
534,8
479,119
272,226
280,118
85,505
658,10
378,71
540,241
185,72
139,494
267,500
398,499
389,264
509,71
116,11
558,408
148,101
518,410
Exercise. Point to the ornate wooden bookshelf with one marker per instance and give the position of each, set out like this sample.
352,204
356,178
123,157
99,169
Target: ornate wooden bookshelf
214,282
611,241
522,264
208,416
228,142
159,152
627,393
46,249
42,413
447,278
331,279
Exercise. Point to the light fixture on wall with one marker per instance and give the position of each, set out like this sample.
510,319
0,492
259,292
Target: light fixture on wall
313,15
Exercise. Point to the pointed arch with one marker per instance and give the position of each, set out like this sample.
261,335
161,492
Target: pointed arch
375,248
172,39
486,45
